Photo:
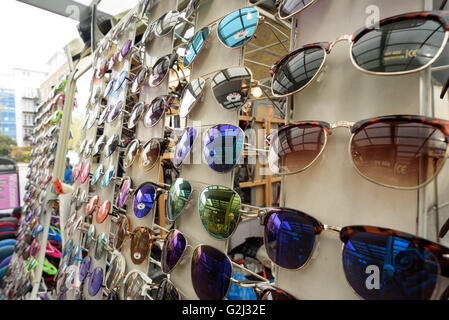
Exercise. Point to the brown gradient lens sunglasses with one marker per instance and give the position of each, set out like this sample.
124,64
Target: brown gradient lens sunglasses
397,151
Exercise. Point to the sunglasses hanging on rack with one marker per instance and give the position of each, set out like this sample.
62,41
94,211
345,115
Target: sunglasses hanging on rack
421,37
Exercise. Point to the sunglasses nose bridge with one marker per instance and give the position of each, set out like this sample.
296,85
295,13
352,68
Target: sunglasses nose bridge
341,124
345,37
331,228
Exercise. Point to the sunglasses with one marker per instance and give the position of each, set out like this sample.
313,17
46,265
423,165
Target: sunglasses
108,176
211,270
69,281
234,30
116,272
47,267
162,67
290,238
137,286
95,281
222,146
156,110
149,152
136,115
90,236
402,44
219,207
161,26
398,151
101,245
289,8
231,88
97,174
145,198
142,239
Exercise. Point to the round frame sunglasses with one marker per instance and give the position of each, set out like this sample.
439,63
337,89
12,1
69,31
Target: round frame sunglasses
398,151
421,36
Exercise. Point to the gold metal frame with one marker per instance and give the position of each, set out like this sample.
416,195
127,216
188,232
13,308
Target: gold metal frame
346,124
348,38
297,12
241,283
312,254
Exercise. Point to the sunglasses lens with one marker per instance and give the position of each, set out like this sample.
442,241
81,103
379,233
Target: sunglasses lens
115,112
104,114
101,246
155,112
90,235
95,281
167,291
195,46
91,205
184,145
85,173
34,250
103,211
295,148
122,231
159,71
219,209
403,154
291,7
150,154
111,279
211,273
123,193
399,46
178,197
231,87
223,145
139,108
144,200
99,145
131,152
140,245
166,23
238,27
289,239
403,270
95,177
190,96
297,71
111,145
173,248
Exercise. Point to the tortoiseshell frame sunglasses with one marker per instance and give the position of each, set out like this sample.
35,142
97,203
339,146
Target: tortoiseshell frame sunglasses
409,267
397,151
300,68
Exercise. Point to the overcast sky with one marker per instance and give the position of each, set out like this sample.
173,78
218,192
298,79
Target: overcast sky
30,36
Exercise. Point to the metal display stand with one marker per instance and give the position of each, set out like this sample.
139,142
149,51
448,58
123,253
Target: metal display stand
331,190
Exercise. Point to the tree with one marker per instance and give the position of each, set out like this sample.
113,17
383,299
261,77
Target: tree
20,154
5,145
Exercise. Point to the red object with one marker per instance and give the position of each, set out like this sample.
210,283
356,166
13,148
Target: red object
58,186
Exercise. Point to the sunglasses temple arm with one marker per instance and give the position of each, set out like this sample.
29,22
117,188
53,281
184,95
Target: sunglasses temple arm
272,28
445,294
248,283
441,8
445,88
444,229
271,100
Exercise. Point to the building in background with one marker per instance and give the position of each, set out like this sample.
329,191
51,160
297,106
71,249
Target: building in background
27,98
7,113
58,69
